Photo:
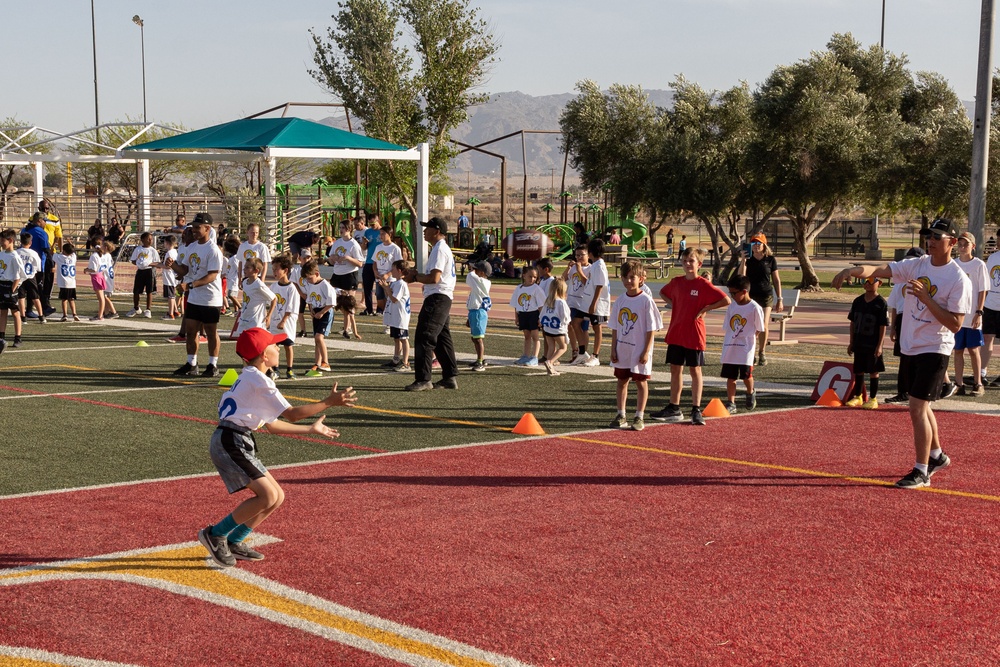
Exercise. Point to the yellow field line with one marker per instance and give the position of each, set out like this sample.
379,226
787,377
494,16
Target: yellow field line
773,466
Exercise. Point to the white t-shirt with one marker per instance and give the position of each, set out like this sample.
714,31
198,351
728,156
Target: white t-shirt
341,249
555,320
976,271
11,266
32,262
320,295
546,284
993,270
949,286
182,252
287,302
527,298
895,299
442,260
96,263
257,297
599,278
252,401
202,259
579,293
65,271
385,255
108,269
632,318
144,258
479,292
249,251
397,313
169,277
739,331
231,269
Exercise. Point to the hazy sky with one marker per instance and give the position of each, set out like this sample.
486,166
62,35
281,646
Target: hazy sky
210,61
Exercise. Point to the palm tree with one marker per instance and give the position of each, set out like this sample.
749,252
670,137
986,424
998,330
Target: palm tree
563,198
548,208
471,202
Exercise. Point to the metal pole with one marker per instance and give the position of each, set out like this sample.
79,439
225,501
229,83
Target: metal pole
882,40
142,42
981,127
97,114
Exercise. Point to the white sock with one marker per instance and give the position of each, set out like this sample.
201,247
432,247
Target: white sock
640,415
193,359
621,413
936,453
921,467
213,361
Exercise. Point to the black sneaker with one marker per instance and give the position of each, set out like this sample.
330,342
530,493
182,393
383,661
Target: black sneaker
915,480
670,414
17,341
217,546
187,369
618,422
392,363
243,551
479,366
696,418
446,383
211,371
751,402
933,465
961,390
418,386
898,398
949,389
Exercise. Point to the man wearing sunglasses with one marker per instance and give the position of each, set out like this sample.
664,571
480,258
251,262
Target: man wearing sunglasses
938,296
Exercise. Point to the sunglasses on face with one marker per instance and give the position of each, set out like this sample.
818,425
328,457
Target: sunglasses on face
938,236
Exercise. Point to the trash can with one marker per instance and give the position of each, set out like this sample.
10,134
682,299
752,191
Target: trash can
899,254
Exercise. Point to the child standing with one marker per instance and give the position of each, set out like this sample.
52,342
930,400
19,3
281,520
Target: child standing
258,299
555,324
527,302
578,296
28,291
286,310
545,277
633,321
479,304
253,247
744,320
231,274
169,278
11,275
869,317
144,257
970,337
251,403
97,270
599,308
66,280
321,299
689,296
396,315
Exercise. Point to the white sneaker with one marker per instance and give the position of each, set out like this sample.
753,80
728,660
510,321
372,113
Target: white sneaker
581,359
132,313
592,361
147,314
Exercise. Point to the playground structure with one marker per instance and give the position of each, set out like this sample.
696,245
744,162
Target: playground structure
632,232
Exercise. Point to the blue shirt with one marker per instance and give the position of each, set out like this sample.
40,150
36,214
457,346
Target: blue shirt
39,243
373,236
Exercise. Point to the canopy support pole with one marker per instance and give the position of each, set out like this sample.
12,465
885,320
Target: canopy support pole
270,201
39,169
143,192
423,179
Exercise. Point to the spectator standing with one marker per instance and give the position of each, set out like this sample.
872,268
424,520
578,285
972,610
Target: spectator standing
372,240
40,244
761,268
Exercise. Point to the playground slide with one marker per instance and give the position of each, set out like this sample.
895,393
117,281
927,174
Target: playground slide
632,240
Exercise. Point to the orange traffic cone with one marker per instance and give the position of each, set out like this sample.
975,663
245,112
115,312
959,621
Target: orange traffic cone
528,426
829,399
715,408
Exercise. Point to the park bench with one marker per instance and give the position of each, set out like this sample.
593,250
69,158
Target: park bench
790,300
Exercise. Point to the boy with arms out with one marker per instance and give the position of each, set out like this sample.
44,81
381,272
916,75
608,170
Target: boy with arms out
869,318
744,320
252,403
633,322
689,296
938,295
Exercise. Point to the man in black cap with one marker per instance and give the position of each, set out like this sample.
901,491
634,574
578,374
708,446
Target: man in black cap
433,335
938,296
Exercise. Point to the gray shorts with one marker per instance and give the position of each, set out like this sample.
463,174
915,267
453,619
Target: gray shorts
234,453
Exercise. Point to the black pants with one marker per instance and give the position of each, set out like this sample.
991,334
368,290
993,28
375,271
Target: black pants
368,283
434,335
48,279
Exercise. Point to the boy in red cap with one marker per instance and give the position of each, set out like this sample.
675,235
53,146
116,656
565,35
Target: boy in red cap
251,403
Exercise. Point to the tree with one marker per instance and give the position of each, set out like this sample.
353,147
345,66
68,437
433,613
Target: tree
14,132
364,60
611,139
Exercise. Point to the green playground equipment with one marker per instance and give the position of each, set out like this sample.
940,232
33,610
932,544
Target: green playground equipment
562,238
633,233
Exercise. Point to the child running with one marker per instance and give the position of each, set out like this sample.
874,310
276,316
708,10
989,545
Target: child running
321,299
633,322
396,315
744,320
690,296
869,317
527,301
479,304
555,324
252,403
66,280
286,309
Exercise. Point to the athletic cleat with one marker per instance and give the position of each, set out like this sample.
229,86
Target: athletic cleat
115,316
638,424
933,465
218,547
961,390
854,402
731,407
446,383
521,361
243,551
696,417
41,320
271,373
17,341
290,375
870,404
187,369
345,333
915,480
751,401
618,422
948,389
670,414
479,366
898,398
212,371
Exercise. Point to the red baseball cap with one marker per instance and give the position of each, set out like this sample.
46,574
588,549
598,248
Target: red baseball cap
252,342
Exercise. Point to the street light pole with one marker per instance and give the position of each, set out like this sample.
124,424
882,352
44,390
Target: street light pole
142,41
882,41
97,115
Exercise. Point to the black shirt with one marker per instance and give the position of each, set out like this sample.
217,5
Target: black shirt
866,317
759,274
